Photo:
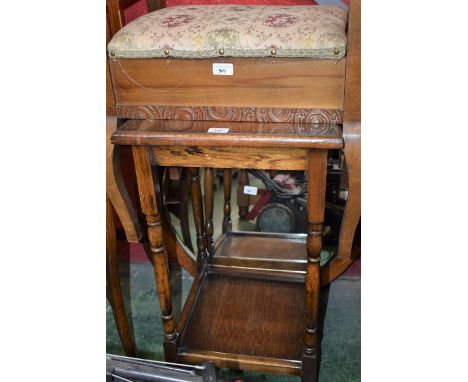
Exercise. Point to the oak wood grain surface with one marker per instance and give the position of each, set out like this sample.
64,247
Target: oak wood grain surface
316,185
257,82
241,361
261,273
235,157
198,216
227,185
227,113
235,315
352,102
149,207
189,302
352,214
175,250
228,134
263,251
116,189
209,207
243,199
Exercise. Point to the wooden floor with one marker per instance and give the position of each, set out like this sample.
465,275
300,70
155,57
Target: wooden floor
232,311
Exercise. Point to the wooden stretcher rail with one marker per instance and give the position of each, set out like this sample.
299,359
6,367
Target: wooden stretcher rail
226,157
243,362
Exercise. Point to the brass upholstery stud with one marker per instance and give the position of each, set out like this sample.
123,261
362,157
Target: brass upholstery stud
221,51
273,52
336,51
166,52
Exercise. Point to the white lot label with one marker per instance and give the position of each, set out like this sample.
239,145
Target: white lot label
220,130
249,190
223,69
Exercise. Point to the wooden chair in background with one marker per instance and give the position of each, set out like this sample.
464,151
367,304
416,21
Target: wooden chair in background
117,200
349,240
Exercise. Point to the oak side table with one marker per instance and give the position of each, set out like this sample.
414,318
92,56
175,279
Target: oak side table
254,304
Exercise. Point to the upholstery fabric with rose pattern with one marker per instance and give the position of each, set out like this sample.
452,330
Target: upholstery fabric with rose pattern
202,31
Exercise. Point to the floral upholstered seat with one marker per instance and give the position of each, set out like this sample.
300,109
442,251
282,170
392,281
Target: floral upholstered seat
202,31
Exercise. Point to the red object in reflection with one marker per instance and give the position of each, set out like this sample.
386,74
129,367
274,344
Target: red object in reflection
135,10
263,200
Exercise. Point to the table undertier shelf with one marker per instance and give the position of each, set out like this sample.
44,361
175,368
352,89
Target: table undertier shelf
240,321
263,250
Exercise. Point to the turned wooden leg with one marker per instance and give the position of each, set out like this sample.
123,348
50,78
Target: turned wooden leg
184,205
209,202
155,235
317,174
227,223
114,291
197,205
243,199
